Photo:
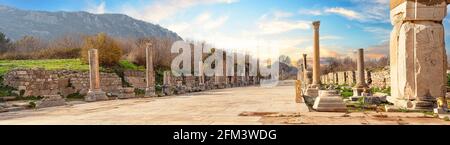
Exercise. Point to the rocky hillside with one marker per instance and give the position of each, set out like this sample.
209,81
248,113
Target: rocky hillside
16,23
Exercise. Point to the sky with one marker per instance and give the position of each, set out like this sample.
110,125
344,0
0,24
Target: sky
346,25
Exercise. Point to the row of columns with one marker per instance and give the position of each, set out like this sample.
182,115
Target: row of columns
95,93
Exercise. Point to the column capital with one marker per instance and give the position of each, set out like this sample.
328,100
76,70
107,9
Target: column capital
316,25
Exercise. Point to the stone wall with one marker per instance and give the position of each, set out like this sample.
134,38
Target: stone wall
135,78
40,82
377,78
381,79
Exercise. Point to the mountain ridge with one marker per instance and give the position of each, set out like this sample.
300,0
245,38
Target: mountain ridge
16,23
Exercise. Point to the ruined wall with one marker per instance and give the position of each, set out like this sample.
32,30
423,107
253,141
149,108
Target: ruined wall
39,82
381,79
135,78
376,78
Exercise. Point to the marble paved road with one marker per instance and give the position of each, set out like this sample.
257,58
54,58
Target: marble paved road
210,107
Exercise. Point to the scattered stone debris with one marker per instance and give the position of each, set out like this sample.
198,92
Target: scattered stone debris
51,101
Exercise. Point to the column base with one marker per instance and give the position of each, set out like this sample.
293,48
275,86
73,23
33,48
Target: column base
360,92
95,95
312,92
329,101
150,92
167,90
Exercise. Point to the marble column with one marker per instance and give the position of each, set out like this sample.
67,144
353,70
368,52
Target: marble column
95,92
316,57
313,89
150,74
361,86
417,53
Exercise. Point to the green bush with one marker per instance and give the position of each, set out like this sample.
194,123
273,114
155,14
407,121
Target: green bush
5,90
385,90
448,79
346,94
127,65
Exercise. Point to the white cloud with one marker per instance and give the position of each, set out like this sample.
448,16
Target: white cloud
350,14
97,9
330,37
160,10
282,14
279,22
278,26
310,12
373,10
381,33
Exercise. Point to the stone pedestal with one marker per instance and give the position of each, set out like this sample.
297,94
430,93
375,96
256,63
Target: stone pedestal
95,95
417,53
329,101
361,91
167,90
312,92
150,92
51,101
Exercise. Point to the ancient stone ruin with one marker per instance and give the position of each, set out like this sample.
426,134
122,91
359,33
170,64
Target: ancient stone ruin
150,74
361,87
329,101
417,53
95,92
313,89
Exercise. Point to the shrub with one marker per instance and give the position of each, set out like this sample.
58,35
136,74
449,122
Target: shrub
448,79
109,51
346,94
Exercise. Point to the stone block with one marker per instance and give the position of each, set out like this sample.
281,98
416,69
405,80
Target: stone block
51,101
329,101
412,10
95,95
